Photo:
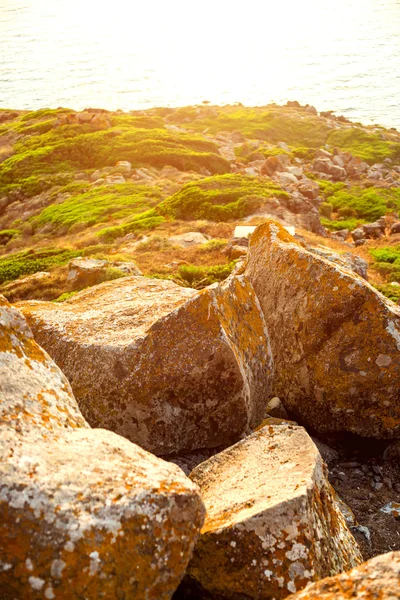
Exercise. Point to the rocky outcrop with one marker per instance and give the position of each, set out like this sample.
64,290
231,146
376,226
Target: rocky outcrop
83,513
272,525
377,578
369,231
170,368
85,272
335,340
96,120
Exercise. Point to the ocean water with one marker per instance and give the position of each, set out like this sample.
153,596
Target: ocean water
341,55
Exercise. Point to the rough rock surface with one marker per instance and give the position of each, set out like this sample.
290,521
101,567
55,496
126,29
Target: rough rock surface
170,368
335,340
85,272
379,578
83,513
186,240
349,261
272,525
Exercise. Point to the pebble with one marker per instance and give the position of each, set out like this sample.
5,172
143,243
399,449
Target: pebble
363,530
377,485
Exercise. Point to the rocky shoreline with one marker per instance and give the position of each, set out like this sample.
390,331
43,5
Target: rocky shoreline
221,426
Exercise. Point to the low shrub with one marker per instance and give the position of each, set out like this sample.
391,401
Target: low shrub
99,204
27,262
143,222
200,277
8,234
220,198
390,291
367,145
341,224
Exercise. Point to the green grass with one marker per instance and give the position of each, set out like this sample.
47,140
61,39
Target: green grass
361,203
272,124
369,146
341,224
388,255
143,222
199,277
8,234
41,158
387,263
219,198
99,204
390,291
28,262
66,296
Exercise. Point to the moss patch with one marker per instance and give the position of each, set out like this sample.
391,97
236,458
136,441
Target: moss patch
296,127
46,151
220,198
99,204
143,222
362,203
371,147
27,262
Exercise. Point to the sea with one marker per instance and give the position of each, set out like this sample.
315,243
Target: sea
340,55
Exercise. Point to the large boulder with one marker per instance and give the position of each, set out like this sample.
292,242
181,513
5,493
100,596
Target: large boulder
83,513
272,525
377,578
335,340
168,367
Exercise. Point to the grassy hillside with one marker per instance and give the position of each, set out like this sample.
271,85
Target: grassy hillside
66,189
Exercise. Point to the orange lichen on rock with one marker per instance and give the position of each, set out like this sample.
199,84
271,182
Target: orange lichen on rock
335,340
377,579
272,525
83,513
32,387
169,368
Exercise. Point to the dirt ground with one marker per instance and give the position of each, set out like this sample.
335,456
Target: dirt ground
367,479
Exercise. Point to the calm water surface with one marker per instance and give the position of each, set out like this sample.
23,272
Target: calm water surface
342,55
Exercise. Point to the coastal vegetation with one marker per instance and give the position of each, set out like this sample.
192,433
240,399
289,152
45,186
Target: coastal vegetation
115,184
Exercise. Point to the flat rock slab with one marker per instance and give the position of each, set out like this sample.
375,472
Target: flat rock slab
170,368
335,340
83,513
379,578
272,525
186,240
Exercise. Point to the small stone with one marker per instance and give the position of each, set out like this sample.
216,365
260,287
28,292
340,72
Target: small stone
376,485
392,508
276,409
377,469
